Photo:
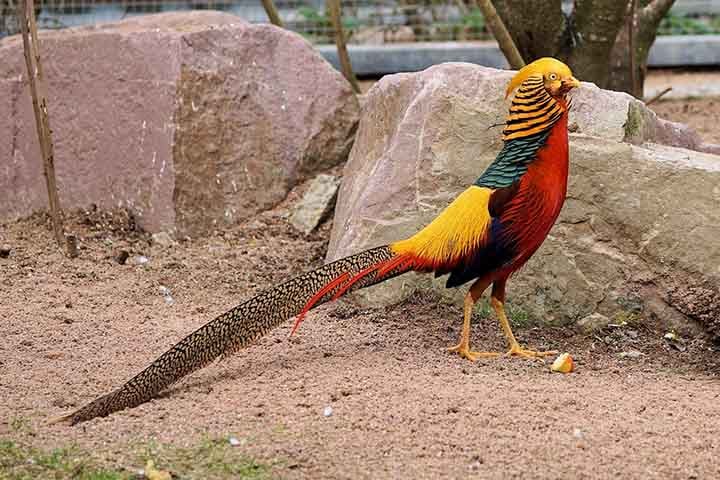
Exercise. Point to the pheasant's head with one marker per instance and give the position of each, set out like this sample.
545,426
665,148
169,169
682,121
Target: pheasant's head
556,76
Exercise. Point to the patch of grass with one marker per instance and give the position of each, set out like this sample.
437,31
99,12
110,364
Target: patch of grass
518,317
20,425
212,458
19,462
483,309
631,319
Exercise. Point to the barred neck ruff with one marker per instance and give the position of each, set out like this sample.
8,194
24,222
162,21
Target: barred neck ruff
533,110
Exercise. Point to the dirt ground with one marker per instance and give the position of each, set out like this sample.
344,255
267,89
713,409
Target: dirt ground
401,405
696,113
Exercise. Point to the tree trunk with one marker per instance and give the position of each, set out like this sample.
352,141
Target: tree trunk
598,23
648,19
536,27
593,40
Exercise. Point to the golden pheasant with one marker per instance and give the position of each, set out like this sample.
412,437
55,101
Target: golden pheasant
488,232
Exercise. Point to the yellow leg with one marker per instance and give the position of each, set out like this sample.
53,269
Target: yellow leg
497,301
463,348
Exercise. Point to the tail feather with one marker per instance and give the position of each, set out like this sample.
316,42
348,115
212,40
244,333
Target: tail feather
398,264
245,323
332,285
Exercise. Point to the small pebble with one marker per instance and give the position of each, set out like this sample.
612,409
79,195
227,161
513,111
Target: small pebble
139,260
630,354
165,292
5,251
234,441
577,433
328,411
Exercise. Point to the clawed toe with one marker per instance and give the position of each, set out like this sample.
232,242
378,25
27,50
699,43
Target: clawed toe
465,352
517,350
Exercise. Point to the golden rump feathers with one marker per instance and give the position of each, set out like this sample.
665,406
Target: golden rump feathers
557,76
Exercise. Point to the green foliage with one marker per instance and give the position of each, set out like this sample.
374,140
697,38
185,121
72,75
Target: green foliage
314,17
674,24
318,24
20,425
473,24
212,458
27,463
516,315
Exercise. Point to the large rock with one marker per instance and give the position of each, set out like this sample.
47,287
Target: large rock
640,232
188,119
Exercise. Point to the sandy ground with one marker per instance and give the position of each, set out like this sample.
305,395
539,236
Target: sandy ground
401,405
702,115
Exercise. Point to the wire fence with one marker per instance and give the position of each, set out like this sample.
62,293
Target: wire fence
365,21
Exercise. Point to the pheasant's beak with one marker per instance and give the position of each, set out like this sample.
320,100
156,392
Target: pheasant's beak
567,84
570,83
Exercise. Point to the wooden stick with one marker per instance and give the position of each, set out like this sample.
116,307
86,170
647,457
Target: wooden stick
334,9
38,91
272,13
658,96
631,47
505,41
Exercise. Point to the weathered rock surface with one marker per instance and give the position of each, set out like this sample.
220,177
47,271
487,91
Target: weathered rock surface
316,204
189,119
639,233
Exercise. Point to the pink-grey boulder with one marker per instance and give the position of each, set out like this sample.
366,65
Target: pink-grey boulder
190,120
639,235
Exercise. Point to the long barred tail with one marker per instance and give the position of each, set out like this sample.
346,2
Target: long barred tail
245,323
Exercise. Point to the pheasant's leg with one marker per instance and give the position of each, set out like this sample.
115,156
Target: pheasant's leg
497,300
463,348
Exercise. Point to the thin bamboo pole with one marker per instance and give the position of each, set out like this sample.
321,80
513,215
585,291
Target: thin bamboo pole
335,12
38,91
272,13
505,41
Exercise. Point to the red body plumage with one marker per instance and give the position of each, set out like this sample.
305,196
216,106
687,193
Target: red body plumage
541,194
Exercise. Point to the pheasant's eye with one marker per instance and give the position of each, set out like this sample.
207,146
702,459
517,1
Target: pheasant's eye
552,77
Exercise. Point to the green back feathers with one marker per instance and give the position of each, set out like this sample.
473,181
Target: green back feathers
512,161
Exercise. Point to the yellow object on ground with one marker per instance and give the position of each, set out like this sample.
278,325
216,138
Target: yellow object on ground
562,364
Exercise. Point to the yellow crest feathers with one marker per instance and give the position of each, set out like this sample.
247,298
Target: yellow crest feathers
541,67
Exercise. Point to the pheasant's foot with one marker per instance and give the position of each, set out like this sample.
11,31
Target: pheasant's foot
464,352
517,350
